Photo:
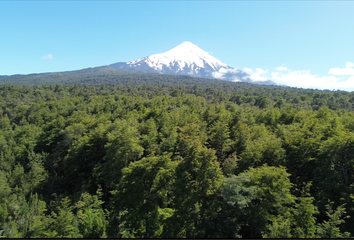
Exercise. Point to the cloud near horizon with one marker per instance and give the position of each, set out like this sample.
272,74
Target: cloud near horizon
48,57
304,78
348,70
281,68
220,74
257,75
298,78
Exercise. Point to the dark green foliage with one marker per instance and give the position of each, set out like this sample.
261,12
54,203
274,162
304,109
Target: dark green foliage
150,156
260,195
147,183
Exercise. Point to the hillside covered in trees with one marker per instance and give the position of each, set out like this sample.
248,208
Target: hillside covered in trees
170,156
96,75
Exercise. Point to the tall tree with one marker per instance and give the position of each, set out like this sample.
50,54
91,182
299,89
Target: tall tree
141,199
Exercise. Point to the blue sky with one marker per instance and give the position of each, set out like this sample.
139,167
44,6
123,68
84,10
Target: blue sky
298,43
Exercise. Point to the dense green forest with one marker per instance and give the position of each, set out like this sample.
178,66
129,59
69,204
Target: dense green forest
97,75
170,156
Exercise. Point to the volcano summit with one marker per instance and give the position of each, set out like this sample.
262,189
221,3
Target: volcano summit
187,59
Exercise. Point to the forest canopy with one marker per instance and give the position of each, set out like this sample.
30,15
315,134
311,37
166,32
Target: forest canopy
158,156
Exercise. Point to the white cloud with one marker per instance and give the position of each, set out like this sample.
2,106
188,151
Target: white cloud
349,65
220,74
341,71
257,76
261,71
348,70
223,70
230,70
298,78
253,75
48,57
306,80
302,79
281,69
248,70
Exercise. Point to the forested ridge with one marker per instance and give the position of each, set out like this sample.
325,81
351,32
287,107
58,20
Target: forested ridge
96,75
166,158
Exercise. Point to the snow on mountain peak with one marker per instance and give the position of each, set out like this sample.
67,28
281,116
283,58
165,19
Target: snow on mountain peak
186,59
187,44
182,57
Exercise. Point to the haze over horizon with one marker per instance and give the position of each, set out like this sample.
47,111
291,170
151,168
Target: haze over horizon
296,43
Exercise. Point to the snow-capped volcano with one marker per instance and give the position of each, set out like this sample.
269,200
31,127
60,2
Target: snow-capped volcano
185,59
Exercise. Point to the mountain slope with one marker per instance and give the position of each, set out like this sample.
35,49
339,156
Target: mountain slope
186,59
103,75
